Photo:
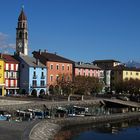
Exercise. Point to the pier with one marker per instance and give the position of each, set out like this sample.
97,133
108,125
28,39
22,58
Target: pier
121,102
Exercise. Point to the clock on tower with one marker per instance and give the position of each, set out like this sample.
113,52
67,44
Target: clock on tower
22,34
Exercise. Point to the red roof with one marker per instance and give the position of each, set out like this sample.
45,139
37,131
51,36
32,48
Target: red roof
9,58
45,56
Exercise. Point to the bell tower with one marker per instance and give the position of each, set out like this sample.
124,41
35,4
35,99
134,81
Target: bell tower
22,34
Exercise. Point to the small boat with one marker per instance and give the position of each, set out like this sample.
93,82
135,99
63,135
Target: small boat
77,111
4,115
37,113
3,118
61,112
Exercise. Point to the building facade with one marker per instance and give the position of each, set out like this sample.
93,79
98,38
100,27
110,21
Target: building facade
32,76
11,74
84,69
122,73
106,66
56,66
2,79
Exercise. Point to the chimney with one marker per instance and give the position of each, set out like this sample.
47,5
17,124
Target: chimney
37,61
45,51
40,51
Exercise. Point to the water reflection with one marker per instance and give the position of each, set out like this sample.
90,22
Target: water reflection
103,110
115,130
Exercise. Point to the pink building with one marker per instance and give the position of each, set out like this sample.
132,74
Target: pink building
87,69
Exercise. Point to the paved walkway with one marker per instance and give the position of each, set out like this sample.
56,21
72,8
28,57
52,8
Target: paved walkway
16,130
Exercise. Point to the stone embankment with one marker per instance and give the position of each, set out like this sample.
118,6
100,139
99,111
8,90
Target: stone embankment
47,129
11,105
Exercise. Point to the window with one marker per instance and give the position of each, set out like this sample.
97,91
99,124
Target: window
6,74
42,83
131,73
57,67
12,83
51,66
88,74
137,73
7,67
20,35
12,74
57,77
51,78
42,75
63,77
34,83
68,78
34,75
12,66
62,67
68,67
79,73
126,73
0,66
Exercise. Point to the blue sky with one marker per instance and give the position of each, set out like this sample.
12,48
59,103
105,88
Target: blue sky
81,30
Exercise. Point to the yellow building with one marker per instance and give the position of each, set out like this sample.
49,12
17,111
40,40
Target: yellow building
2,92
121,73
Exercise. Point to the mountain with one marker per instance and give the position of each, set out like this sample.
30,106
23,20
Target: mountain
133,63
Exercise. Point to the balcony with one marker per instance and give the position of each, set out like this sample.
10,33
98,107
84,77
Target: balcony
43,77
38,86
34,86
11,77
35,77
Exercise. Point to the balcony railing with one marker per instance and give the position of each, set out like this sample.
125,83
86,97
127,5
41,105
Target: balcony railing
38,86
34,77
43,77
13,77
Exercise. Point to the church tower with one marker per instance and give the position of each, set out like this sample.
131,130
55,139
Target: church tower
22,34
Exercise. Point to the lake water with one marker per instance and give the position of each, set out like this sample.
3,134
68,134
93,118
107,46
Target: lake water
126,130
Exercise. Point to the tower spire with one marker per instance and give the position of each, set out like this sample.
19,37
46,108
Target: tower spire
22,7
22,34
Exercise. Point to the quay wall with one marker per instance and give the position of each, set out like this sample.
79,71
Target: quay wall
47,129
40,104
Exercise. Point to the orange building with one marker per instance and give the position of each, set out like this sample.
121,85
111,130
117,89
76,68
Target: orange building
56,66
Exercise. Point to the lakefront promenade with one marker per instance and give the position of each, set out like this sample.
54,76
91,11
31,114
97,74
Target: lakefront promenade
47,128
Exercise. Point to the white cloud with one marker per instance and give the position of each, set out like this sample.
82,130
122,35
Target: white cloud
5,46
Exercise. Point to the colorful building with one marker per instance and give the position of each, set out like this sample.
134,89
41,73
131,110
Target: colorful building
56,66
121,73
11,74
32,76
87,69
2,80
106,66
